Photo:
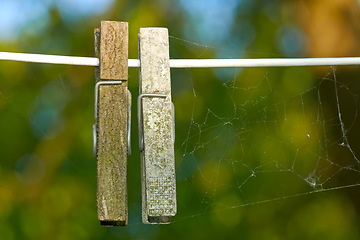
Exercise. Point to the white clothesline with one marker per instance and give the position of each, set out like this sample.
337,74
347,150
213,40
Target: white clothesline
52,59
188,63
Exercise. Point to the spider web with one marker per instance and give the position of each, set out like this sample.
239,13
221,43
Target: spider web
251,139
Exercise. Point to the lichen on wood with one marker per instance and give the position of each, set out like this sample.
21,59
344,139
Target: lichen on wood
158,163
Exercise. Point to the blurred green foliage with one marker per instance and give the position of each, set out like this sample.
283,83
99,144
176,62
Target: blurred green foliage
253,146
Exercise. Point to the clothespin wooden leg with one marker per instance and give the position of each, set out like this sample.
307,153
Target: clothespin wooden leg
156,127
111,122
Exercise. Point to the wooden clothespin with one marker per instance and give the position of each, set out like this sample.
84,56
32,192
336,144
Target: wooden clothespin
156,127
112,122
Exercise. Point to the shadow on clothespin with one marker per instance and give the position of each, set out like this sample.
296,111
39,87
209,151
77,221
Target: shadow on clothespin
111,131
156,128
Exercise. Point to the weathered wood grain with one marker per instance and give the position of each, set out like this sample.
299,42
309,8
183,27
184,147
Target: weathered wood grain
113,58
112,124
158,163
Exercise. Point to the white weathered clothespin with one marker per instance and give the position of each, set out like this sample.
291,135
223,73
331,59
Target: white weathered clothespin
156,127
112,122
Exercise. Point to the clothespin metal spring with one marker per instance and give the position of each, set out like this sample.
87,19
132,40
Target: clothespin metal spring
95,127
